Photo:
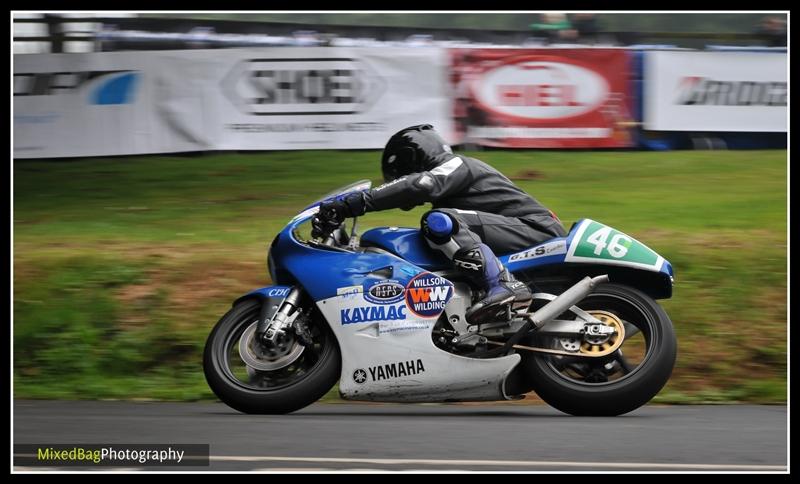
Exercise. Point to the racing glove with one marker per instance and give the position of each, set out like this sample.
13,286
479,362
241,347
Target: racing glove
333,213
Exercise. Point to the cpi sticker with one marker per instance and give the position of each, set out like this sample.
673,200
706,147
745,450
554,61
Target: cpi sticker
278,291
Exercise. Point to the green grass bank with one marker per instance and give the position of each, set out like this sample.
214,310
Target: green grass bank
123,265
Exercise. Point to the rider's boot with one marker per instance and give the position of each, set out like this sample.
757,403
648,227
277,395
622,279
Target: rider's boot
501,288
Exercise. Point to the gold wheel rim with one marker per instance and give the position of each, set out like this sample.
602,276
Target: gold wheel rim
613,342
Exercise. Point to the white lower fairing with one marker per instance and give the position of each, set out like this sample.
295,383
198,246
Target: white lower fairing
388,355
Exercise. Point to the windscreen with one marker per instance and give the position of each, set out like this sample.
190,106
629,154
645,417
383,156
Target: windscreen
353,187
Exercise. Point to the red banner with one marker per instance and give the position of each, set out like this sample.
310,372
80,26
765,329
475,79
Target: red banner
542,98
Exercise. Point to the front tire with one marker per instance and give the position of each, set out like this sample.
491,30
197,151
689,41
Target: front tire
299,384
609,386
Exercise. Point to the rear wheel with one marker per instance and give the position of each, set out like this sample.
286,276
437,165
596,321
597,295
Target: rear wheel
627,376
275,380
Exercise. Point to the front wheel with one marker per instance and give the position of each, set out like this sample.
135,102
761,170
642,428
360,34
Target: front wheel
624,379
277,380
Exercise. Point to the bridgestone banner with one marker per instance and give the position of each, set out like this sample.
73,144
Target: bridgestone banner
124,103
542,98
715,91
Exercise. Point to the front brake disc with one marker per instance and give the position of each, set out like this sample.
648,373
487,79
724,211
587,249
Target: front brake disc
255,356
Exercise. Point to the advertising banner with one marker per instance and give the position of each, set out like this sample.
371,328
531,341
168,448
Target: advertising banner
715,91
542,98
122,103
82,104
329,98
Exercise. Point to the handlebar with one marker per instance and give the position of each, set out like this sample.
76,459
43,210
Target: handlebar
330,241
340,241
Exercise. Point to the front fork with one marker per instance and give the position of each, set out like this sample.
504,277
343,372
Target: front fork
269,330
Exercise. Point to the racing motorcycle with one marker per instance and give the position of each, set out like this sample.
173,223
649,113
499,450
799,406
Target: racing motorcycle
383,314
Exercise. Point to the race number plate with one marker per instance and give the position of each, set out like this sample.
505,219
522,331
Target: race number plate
598,243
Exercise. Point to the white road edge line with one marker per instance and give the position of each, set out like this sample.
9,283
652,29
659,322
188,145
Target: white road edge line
512,463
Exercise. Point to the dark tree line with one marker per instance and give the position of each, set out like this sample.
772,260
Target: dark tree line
612,22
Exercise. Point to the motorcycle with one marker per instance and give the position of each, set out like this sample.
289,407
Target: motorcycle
383,314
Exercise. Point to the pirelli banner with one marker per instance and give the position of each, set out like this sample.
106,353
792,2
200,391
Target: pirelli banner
542,98
122,103
715,91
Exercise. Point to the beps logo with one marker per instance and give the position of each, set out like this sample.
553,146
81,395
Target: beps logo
537,88
320,86
384,292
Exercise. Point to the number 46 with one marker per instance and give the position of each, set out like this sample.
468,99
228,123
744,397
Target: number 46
615,247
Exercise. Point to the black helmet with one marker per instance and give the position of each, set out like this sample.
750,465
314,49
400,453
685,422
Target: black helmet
413,150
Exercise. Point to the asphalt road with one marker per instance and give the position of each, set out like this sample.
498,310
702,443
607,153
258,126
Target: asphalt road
425,437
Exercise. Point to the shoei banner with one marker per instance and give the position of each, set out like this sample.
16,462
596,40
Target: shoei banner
715,91
329,97
542,98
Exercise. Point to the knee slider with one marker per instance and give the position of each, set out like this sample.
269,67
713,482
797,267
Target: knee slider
438,226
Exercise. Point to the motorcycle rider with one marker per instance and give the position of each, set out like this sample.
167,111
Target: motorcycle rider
477,211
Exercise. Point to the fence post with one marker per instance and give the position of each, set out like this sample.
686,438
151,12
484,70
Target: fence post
55,31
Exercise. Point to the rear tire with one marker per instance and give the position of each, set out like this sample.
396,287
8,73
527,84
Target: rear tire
308,387
633,389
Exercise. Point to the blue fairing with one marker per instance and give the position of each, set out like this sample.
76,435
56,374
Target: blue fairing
667,268
411,245
324,272
321,272
534,263
408,243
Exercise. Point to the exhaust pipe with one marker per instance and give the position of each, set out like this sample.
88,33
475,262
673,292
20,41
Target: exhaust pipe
566,300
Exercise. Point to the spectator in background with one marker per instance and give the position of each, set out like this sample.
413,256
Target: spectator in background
585,28
772,30
555,27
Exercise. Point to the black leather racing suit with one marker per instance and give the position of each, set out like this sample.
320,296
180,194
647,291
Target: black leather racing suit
487,206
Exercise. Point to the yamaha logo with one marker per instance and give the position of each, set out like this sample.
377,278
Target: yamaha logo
359,376
389,371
